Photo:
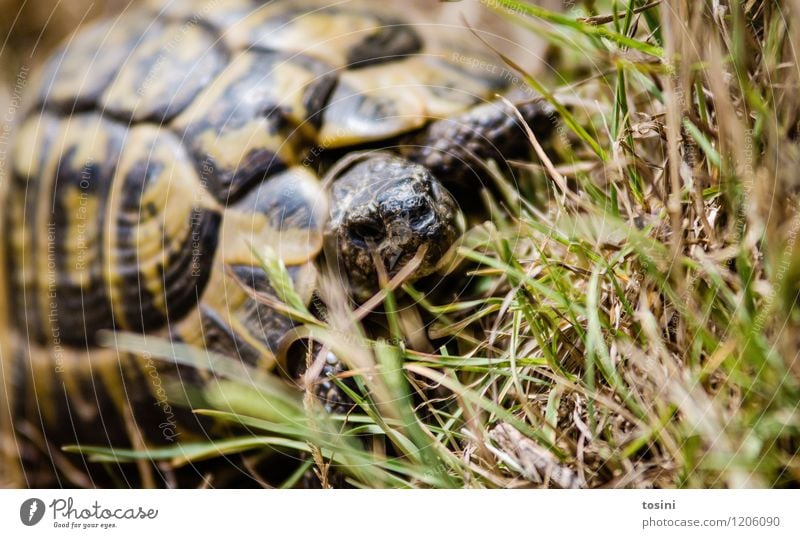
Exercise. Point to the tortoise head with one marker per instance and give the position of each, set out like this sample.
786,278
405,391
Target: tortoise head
385,210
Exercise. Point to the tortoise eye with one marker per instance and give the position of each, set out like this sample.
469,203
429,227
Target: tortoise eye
365,233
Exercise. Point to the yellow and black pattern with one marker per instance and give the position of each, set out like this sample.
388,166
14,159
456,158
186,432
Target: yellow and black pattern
163,230
78,74
164,73
228,106
245,125
166,148
338,35
61,196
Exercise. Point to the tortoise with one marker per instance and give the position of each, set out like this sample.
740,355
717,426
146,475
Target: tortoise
165,150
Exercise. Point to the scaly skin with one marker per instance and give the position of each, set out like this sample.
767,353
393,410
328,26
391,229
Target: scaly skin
384,210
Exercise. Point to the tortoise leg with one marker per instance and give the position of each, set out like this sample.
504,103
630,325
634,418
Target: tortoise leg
333,398
302,355
456,149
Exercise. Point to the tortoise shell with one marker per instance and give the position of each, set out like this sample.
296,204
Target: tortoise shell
168,146
161,140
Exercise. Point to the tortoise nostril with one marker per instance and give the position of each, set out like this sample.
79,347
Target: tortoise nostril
421,218
365,233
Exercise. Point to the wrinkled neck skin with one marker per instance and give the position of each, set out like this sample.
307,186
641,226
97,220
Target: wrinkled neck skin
385,210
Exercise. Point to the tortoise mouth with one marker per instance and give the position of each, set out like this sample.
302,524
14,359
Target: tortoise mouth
366,265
